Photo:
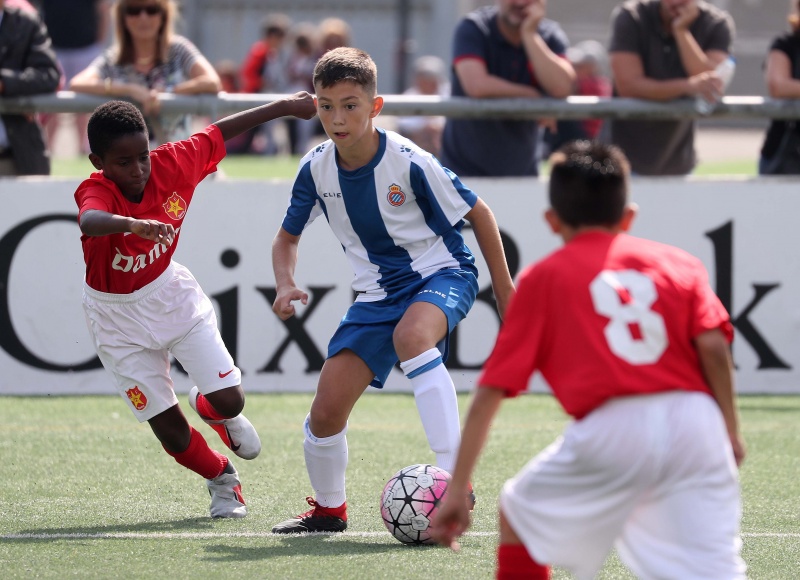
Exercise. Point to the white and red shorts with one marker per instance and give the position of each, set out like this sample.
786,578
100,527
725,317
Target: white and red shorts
135,333
653,476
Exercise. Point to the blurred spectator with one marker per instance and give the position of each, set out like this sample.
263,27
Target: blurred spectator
228,73
264,67
148,58
663,50
430,78
590,61
780,153
78,31
334,33
264,71
299,71
28,66
506,50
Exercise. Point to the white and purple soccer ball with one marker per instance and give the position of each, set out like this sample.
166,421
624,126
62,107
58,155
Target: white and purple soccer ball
409,500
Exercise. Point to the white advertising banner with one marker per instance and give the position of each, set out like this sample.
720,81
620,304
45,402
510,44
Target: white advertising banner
744,231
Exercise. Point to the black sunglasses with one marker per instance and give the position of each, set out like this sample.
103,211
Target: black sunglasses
151,10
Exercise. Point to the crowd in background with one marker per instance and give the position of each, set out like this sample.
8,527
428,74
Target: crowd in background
659,50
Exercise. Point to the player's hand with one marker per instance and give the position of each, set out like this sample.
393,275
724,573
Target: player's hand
304,105
533,14
707,85
739,450
686,14
451,520
154,230
283,306
502,298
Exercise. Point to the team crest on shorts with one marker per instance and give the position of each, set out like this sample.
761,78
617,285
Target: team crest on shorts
396,196
175,206
137,398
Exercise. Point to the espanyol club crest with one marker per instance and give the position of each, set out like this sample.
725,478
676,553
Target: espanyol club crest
175,206
137,398
396,196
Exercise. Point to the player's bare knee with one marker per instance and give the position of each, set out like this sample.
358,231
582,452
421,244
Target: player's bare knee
410,340
325,422
227,402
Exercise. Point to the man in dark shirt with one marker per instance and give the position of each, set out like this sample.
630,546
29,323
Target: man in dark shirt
503,51
662,50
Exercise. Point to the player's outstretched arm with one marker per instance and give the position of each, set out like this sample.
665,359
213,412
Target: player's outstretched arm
452,518
300,105
488,235
95,222
284,262
716,361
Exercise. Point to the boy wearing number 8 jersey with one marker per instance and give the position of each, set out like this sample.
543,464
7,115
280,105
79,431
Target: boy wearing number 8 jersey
635,346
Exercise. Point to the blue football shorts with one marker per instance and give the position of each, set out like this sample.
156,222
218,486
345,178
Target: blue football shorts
367,327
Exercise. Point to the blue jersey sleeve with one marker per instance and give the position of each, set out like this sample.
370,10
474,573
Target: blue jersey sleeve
304,205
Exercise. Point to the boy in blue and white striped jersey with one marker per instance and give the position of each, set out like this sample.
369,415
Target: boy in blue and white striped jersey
398,215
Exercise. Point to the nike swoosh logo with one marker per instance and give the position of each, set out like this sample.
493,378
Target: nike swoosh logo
233,447
223,375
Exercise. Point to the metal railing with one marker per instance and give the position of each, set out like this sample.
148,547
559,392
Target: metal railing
216,106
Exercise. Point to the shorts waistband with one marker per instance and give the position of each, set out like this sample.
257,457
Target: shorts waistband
135,296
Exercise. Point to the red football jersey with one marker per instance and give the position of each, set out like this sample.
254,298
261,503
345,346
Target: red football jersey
607,316
124,263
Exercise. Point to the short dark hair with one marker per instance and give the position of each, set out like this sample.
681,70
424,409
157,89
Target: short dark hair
589,183
113,120
346,64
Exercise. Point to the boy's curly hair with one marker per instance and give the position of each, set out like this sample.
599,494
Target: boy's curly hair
110,121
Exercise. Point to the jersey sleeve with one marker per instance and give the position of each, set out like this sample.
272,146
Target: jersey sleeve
449,199
709,313
468,41
555,38
720,37
625,32
513,359
192,159
92,195
185,53
304,205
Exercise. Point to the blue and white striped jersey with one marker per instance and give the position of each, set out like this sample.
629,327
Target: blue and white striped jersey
398,218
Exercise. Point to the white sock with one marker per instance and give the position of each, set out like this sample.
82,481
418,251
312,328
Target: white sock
437,405
326,461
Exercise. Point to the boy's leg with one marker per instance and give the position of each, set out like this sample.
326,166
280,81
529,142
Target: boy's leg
186,445
218,397
688,525
423,326
513,560
342,381
189,449
222,411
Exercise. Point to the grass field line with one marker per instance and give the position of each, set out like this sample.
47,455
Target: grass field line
212,535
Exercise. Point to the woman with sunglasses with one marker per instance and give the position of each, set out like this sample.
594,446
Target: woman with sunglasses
148,58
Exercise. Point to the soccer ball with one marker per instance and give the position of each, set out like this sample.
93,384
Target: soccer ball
410,499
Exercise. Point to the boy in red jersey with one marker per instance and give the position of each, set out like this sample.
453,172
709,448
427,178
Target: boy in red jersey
634,344
141,306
